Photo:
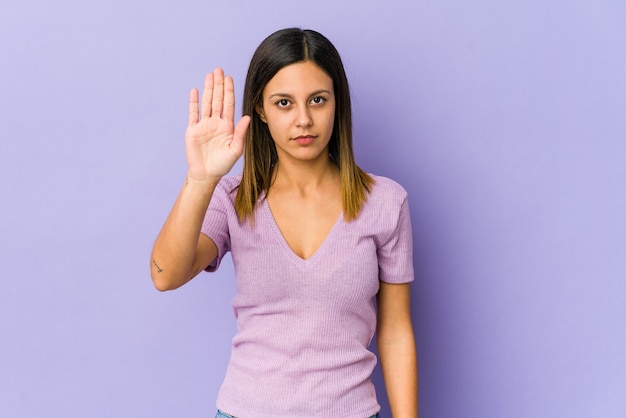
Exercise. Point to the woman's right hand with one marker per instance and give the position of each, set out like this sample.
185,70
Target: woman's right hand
213,142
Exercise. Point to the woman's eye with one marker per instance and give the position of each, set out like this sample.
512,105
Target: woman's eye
283,103
318,100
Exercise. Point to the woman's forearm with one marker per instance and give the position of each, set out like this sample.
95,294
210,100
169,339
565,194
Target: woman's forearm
396,348
175,249
399,365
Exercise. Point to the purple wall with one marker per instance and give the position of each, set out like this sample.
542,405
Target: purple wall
504,120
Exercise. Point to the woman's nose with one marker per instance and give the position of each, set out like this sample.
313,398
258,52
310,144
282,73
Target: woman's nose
304,117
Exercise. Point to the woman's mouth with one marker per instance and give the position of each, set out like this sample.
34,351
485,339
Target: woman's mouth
304,139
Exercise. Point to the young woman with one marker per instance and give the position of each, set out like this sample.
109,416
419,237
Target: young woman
314,240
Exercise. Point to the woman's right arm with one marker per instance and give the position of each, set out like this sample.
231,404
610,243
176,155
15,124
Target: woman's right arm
213,144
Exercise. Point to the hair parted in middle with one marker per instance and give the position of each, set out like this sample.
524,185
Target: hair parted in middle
280,49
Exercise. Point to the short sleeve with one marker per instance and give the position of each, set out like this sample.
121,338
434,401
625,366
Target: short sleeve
395,255
215,224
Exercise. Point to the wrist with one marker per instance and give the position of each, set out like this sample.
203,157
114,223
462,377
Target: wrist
205,181
203,186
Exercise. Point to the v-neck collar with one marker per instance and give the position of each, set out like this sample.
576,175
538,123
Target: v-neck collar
283,242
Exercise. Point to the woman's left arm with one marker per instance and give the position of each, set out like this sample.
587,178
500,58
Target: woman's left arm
396,348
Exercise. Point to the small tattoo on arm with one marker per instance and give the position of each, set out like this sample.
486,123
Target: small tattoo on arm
159,269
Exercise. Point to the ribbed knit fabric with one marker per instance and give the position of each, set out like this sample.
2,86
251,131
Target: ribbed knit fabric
304,326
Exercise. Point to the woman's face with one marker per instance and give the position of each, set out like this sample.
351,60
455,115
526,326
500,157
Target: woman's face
299,109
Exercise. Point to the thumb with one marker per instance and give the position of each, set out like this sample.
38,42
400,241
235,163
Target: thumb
239,136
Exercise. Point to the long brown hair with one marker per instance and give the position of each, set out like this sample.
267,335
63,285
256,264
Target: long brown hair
282,48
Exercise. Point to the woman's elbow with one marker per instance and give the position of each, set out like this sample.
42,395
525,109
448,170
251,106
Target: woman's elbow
159,282
163,280
161,285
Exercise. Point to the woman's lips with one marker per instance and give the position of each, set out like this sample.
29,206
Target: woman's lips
304,139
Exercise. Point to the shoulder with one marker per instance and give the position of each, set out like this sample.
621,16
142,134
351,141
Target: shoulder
223,198
386,189
385,201
385,210
229,185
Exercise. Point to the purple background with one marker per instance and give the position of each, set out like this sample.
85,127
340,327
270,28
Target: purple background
505,121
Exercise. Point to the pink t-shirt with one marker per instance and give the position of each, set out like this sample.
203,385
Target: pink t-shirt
304,326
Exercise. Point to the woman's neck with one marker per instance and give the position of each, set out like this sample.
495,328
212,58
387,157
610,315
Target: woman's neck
305,175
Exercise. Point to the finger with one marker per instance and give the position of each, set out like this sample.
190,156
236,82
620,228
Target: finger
207,95
229,98
193,107
218,92
239,136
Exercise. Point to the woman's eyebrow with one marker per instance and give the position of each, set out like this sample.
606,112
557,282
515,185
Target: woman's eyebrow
286,95
289,96
320,91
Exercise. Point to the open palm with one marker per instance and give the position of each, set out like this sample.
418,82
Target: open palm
213,142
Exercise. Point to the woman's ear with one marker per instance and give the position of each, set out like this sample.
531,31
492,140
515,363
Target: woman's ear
260,112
